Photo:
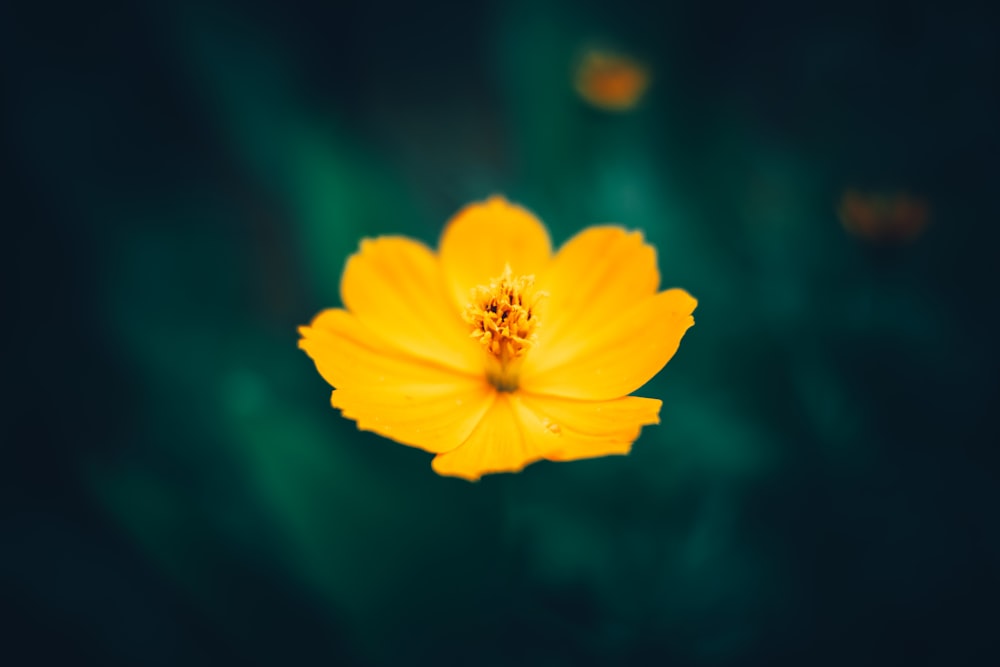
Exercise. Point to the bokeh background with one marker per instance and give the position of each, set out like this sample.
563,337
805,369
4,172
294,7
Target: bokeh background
187,180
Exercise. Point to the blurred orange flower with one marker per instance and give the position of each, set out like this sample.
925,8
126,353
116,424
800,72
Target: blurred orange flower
611,81
883,218
495,353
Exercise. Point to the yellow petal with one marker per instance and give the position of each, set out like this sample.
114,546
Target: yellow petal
348,354
410,400
434,418
498,444
616,357
483,238
585,429
395,287
595,276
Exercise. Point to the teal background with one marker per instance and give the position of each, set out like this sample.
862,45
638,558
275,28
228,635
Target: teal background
187,180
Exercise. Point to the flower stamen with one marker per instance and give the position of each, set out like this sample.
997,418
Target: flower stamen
503,318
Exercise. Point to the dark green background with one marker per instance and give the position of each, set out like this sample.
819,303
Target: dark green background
187,180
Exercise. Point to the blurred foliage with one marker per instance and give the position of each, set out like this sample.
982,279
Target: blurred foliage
191,177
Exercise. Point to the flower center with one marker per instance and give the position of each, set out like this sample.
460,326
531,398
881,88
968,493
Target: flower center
502,317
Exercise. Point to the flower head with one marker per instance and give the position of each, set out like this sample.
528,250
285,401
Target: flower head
883,218
495,353
611,81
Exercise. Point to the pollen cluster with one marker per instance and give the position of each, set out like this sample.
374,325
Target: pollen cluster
502,316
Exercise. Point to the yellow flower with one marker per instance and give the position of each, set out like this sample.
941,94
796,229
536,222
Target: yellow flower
494,353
